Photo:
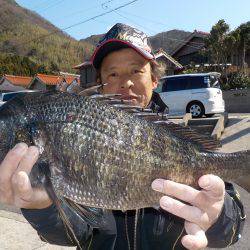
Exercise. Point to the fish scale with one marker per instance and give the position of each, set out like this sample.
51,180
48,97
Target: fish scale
104,157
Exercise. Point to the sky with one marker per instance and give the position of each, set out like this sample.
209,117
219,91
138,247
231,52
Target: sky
150,16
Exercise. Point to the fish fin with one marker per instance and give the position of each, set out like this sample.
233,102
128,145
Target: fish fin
91,90
244,182
93,216
203,142
38,174
57,201
244,179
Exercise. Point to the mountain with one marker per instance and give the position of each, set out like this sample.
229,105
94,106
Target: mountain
168,40
26,34
94,39
30,44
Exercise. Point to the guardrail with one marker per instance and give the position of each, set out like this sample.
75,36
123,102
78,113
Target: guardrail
220,126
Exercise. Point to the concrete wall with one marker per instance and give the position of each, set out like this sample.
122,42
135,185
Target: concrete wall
237,101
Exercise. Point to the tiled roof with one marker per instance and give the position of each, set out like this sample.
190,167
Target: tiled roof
23,81
70,79
49,79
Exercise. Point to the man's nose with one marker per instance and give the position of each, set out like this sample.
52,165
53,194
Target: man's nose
126,84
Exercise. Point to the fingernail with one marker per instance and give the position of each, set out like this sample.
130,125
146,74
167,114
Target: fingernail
204,182
157,185
165,202
20,147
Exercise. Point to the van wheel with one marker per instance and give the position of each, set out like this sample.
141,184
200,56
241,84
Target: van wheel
196,109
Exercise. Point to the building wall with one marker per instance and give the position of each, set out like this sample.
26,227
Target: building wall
169,67
237,101
10,87
190,47
38,85
87,76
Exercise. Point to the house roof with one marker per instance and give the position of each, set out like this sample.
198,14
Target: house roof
23,81
82,65
196,33
49,79
161,53
70,79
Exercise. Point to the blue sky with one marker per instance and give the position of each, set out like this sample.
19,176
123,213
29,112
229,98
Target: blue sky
151,16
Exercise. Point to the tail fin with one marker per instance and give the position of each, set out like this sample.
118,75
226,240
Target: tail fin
229,166
244,162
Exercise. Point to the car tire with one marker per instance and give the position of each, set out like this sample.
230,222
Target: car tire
196,109
209,115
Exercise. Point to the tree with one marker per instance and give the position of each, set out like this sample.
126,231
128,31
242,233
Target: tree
215,42
243,41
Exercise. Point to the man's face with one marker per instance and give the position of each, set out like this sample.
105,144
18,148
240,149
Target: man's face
127,73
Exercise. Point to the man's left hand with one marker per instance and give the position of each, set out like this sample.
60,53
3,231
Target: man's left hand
203,208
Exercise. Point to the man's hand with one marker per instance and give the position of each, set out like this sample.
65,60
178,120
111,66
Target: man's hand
15,187
203,210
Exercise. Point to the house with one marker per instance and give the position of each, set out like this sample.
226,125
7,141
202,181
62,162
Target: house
88,72
170,65
14,83
189,51
70,84
45,82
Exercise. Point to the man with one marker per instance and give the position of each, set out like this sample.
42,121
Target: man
188,218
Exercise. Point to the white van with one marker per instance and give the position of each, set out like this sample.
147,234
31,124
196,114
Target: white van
198,94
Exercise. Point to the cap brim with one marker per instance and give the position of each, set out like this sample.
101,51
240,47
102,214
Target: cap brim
113,45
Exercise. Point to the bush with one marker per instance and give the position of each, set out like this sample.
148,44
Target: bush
236,80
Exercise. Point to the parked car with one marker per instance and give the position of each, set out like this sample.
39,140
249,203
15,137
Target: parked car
4,97
198,94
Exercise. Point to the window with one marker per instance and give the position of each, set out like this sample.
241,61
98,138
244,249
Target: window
175,84
198,82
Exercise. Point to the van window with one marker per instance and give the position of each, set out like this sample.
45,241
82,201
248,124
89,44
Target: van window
7,96
175,84
198,82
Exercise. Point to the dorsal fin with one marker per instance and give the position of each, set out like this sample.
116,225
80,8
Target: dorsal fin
204,142
91,90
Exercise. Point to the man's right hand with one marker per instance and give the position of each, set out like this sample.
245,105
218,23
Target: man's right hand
15,187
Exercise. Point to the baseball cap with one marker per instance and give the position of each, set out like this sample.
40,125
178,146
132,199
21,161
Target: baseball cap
122,36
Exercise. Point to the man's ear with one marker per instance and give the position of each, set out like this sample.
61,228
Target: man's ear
154,82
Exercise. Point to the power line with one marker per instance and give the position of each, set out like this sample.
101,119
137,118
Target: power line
42,4
52,5
179,40
82,22
102,14
141,17
83,11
